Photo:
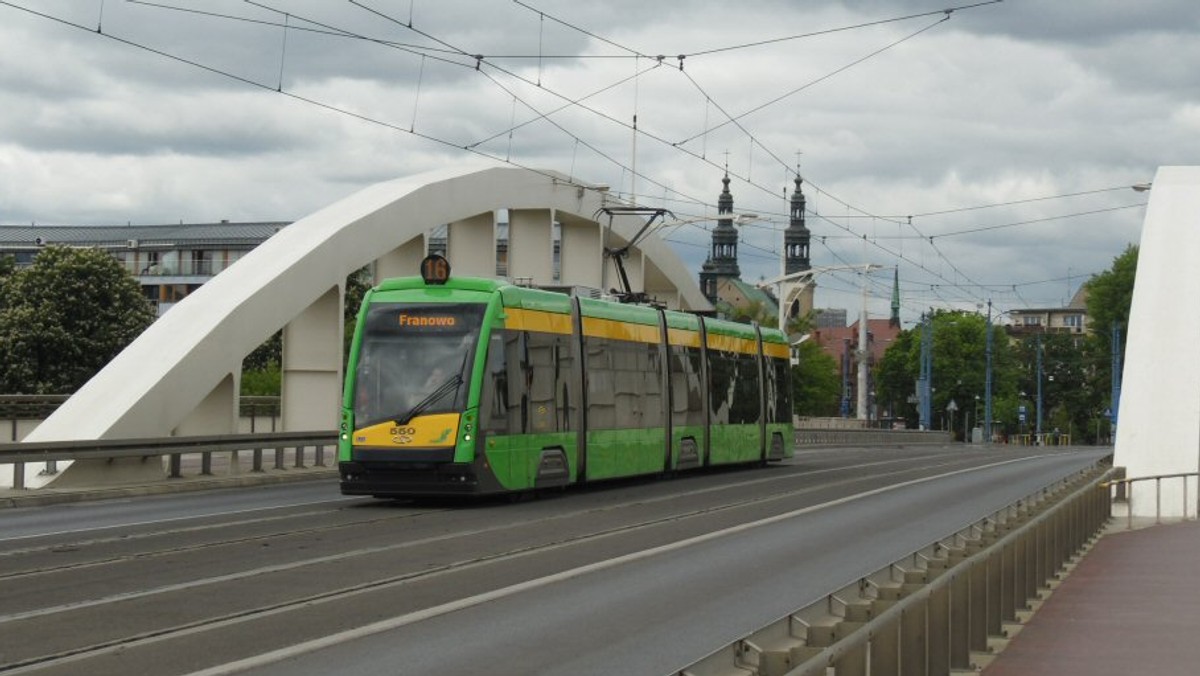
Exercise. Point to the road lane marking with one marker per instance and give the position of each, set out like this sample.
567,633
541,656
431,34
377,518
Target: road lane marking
391,624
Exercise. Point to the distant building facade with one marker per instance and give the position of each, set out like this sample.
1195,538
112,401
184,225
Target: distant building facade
1072,319
841,343
168,261
829,318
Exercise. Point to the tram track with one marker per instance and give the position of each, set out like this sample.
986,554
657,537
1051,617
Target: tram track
124,539
343,593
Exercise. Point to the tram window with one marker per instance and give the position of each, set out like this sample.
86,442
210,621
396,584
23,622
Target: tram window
781,402
546,359
624,384
527,384
601,383
494,403
686,386
722,369
651,372
745,407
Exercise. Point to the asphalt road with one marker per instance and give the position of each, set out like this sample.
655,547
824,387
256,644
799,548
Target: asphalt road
632,577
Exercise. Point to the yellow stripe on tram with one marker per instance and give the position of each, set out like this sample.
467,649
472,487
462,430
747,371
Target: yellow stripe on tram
776,350
595,327
731,344
519,319
683,338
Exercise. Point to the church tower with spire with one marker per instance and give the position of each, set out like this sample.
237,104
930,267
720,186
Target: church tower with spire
796,237
722,258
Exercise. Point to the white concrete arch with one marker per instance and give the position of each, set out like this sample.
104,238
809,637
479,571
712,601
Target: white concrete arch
181,375
1158,425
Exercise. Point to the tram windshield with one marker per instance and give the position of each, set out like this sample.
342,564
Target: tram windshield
415,359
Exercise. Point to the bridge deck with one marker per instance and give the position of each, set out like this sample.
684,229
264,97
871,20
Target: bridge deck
1131,607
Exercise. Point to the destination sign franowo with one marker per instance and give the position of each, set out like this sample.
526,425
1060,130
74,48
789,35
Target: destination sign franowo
414,320
418,321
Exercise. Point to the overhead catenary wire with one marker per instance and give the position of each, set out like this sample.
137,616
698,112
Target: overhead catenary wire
479,61
811,83
462,53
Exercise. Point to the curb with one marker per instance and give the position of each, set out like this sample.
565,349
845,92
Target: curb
38,497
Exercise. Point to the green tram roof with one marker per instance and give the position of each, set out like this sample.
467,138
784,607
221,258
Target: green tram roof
452,284
553,301
536,299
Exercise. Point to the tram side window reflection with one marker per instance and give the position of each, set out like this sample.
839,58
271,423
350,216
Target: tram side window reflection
624,381
779,399
686,386
722,370
745,408
494,400
526,387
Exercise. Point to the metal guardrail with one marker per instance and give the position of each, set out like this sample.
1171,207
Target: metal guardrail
936,610
173,448
833,437
1120,492
40,406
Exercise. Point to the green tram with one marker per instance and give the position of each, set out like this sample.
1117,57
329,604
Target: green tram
466,386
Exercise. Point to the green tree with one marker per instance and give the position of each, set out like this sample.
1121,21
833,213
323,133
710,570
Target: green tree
7,265
1110,297
959,371
64,317
816,384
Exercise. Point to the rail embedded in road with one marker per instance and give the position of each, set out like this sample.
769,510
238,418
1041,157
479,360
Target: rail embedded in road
937,609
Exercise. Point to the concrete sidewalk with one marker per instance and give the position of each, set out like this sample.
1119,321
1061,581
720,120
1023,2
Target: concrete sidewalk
1131,606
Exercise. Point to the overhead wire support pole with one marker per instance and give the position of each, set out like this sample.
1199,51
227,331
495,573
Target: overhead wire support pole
987,387
864,353
1039,388
925,381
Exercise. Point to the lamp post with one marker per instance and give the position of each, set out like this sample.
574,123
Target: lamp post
789,287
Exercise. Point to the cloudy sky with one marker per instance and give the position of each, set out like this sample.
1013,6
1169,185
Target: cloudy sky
1010,132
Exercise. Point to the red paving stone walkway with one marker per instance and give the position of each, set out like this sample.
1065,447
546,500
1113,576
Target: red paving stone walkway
1131,606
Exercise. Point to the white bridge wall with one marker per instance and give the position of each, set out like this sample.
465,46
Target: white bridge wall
1158,425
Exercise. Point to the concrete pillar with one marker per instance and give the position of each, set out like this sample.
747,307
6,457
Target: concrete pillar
471,246
581,263
531,245
217,413
403,261
312,366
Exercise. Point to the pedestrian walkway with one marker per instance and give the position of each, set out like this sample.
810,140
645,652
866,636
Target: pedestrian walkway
1131,606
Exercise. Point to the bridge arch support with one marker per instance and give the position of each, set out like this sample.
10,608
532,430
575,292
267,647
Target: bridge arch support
181,376
1158,423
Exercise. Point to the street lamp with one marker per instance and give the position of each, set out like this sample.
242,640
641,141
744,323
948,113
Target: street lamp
790,286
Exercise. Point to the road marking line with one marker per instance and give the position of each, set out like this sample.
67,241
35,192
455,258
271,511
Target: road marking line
520,587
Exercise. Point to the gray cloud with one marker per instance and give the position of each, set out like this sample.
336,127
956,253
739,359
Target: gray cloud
1002,103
